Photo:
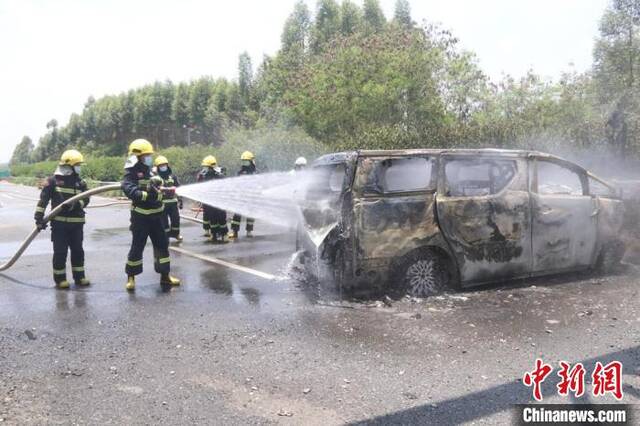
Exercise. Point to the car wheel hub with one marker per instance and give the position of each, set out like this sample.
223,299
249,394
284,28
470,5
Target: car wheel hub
422,278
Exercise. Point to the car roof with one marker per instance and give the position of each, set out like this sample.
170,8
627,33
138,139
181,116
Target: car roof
339,157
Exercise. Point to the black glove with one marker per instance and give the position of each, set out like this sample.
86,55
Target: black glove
180,205
41,225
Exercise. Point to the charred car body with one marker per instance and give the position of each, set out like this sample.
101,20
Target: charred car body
424,220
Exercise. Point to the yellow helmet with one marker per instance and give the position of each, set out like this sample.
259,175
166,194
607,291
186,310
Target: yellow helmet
140,147
209,161
247,155
160,159
71,157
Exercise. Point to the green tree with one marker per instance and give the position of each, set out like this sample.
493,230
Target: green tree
616,65
22,152
374,20
402,14
245,77
327,24
295,34
351,18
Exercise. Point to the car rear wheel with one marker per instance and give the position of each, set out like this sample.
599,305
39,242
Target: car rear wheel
423,273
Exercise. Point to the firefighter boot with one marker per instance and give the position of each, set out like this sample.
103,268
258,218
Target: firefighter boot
166,279
233,235
249,234
63,285
83,282
131,283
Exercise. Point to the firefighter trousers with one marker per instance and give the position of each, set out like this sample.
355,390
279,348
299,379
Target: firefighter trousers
215,220
235,223
171,219
67,237
143,227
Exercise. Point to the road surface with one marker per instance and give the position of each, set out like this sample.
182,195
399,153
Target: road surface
241,341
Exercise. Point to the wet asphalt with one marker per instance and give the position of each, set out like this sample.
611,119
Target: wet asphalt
230,347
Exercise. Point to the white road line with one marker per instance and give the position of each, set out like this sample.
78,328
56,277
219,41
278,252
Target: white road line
224,263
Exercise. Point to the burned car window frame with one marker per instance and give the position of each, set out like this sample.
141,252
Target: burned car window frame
612,192
535,179
445,160
367,188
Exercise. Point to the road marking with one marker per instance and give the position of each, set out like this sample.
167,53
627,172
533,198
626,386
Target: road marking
224,263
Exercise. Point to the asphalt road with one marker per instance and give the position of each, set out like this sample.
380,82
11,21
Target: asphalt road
253,345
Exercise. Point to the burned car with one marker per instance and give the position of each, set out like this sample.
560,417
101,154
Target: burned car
422,221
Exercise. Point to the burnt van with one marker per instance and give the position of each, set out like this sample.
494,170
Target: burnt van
422,221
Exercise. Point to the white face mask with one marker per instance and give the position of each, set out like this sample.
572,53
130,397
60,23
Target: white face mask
162,168
147,160
77,169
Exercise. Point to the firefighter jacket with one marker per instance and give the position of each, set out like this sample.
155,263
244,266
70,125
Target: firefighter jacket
170,180
59,188
136,185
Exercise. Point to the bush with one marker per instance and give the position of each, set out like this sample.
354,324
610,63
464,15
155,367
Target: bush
275,149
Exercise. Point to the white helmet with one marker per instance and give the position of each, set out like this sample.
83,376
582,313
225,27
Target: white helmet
301,161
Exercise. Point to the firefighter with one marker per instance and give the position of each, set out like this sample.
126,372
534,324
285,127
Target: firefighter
214,219
172,203
248,168
67,227
147,212
300,164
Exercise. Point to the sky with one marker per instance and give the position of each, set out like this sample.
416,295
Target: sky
54,54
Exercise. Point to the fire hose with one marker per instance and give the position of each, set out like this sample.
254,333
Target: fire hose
53,213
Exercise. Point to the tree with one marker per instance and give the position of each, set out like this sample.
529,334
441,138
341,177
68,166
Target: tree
295,34
374,20
402,14
351,18
22,152
616,65
326,26
245,77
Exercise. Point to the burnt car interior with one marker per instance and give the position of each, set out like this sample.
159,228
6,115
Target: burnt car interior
477,177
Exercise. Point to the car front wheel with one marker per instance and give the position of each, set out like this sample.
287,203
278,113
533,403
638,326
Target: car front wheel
423,273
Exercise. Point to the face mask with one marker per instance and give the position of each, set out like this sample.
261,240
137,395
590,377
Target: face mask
147,161
246,163
163,168
77,169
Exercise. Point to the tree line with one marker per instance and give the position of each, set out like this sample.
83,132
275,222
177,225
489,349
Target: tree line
351,78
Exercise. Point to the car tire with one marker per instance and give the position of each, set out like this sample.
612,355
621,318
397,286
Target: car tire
423,273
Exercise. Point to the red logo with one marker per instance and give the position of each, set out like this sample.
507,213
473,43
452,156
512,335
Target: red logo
536,377
571,379
606,379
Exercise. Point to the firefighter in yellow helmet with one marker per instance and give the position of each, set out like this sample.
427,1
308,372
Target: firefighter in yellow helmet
68,226
214,220
147,209
248,167
172,203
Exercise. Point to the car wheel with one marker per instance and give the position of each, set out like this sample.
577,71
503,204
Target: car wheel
424,273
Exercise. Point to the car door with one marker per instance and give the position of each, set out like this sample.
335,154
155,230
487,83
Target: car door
564,217
394,206
484,214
